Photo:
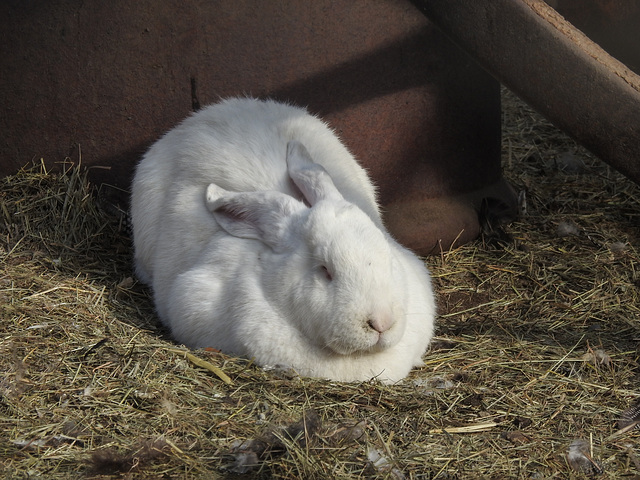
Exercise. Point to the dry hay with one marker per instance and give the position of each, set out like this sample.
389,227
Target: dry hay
534,373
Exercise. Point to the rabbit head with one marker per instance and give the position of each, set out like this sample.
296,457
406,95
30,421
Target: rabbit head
325,267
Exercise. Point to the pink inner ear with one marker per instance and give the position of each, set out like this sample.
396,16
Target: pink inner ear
327,273
239,220
297,193
238,215
232,212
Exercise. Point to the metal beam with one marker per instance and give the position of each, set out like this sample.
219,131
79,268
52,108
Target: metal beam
554,67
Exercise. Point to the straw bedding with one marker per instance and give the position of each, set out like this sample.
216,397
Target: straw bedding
534,372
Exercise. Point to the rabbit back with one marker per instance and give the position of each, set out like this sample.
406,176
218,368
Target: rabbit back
240,145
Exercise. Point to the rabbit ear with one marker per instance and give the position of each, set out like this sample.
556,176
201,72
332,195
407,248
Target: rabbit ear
258,215
311,178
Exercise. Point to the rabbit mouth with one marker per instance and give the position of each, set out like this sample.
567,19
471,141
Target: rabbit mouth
372,343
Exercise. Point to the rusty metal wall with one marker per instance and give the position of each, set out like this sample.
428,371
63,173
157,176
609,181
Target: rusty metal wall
105,79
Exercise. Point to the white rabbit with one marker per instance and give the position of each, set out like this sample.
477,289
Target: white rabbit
260,235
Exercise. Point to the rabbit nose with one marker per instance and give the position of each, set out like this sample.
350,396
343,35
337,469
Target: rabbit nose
380,324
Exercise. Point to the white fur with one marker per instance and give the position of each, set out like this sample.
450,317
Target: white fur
261,236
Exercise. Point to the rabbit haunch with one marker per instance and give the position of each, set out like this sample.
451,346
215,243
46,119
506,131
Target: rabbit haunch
260,235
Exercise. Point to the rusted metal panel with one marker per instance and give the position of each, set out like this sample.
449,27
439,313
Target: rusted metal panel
108,78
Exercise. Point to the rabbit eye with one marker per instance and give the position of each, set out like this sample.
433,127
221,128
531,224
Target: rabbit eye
326,272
